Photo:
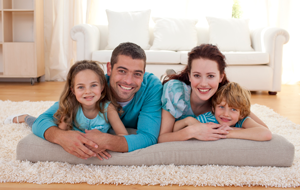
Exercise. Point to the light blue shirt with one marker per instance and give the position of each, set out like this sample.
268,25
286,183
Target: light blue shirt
176,99
100,122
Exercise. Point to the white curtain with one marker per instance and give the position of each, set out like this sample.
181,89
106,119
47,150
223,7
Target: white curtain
284,14
60,51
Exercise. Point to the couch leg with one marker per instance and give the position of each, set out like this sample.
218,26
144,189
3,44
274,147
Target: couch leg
272,93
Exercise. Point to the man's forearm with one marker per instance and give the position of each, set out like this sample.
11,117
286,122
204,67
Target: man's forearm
115,143
52,134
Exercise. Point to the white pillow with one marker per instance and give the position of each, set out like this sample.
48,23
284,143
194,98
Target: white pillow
174,34
229,34
128,27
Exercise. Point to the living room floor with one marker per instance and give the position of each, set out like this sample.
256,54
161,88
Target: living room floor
286,103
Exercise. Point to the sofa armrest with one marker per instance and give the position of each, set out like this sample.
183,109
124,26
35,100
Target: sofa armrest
271,41
87,37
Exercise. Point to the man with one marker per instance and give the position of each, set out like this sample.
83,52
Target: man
138,92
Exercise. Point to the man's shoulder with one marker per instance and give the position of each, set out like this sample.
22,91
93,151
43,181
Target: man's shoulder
151,86
151,81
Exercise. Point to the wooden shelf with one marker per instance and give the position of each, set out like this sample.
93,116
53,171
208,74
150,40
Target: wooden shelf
21,39
18,10
18,4
1,59
19,26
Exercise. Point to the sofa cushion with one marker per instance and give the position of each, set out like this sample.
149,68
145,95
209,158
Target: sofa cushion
236,152
174,34
162,56
153,56
251,77
237,58
229,34
134,27
246,58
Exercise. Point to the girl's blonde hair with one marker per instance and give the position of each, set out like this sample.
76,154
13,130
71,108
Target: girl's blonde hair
68,104
235,96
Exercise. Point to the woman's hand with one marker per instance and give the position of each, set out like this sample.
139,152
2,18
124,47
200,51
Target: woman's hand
209,131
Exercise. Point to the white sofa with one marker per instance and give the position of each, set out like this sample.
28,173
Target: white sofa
258,70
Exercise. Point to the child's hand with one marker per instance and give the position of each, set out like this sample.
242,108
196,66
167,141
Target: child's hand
226,128
103,154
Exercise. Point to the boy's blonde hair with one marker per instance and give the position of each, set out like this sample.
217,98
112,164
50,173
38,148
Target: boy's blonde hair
235,96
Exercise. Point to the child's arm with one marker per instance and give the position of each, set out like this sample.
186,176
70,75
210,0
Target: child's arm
62,125
184,122
115,121
251,130
257,120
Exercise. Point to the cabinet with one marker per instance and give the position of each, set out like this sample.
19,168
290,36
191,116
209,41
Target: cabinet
21,39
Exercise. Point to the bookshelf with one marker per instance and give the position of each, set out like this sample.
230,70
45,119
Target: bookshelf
21,39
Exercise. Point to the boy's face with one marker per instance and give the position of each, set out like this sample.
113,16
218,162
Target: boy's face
226,115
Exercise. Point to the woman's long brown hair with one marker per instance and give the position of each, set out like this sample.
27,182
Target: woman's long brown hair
68,104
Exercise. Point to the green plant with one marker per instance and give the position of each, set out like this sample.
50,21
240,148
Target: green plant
236,9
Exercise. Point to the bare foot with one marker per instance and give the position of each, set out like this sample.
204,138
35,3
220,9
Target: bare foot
20,118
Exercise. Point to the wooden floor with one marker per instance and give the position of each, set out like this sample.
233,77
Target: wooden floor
286,103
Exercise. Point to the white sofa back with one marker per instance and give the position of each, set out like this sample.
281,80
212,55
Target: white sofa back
180,57
203,35
255,70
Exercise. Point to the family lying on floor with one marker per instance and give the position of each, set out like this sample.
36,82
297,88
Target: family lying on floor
196,103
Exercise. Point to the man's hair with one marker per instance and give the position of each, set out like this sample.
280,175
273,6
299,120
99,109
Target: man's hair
129,49
235,96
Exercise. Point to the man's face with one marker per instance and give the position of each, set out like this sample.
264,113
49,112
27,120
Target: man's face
126,77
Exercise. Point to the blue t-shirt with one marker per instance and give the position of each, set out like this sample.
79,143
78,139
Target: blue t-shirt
210,117
176,99
100,122
142,113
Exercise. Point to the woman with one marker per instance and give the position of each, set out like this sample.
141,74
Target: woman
189,94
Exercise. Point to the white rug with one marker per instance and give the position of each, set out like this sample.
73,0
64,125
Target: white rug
12,170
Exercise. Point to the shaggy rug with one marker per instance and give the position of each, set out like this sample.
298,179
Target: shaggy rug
12,170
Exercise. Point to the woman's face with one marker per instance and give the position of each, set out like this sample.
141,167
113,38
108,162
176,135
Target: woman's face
205,78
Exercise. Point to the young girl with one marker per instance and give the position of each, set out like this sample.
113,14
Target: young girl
231,107
86,102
